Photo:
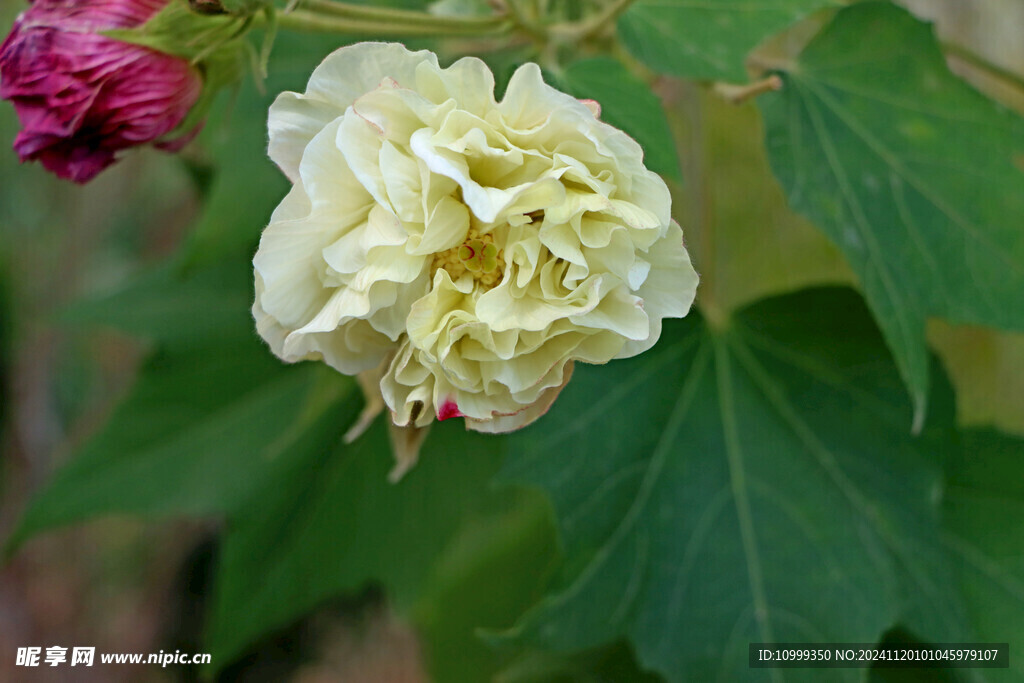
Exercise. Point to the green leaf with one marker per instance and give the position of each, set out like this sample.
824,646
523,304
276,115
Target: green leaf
626,103
614,662
332,524
178,309
211,410
750,484
706,39
910,172
194,437
984,524
489,574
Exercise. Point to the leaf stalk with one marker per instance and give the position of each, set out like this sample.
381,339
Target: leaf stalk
739,94
303,20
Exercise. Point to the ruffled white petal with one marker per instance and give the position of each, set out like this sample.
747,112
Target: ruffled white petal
293,122
352,71
470,250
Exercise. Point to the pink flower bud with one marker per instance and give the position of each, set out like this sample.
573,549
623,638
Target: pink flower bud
82,97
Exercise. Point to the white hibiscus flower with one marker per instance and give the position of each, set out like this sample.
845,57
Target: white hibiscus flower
470,249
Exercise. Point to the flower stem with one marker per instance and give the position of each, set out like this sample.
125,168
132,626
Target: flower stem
301,20
738,94
528,26
400,16
574,32
605,17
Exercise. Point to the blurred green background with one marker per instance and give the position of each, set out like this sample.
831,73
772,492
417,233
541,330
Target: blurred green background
128,585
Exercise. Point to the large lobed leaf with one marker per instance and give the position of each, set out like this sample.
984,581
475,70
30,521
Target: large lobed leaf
910,172
751,484
706,39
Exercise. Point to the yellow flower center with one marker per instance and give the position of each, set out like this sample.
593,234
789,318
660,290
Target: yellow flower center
478,255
